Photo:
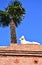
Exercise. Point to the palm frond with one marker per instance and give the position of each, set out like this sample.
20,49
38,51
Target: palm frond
14,11
4,18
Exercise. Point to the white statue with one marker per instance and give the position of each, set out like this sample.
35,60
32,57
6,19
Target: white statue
23,41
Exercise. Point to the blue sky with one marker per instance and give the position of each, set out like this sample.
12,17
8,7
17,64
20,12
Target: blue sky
31,26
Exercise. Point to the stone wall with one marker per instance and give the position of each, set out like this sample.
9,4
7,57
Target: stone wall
20,54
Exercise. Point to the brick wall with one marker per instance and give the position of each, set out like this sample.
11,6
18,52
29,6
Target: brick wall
20,54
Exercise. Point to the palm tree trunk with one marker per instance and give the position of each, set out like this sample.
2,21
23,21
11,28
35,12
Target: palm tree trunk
13,32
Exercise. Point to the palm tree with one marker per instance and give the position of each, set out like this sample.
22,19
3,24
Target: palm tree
12,15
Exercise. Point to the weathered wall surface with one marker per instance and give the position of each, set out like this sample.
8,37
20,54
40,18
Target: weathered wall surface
18,54
20,61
